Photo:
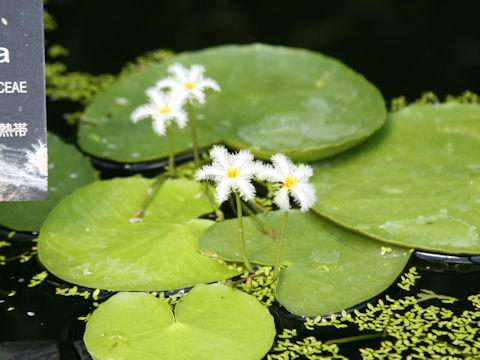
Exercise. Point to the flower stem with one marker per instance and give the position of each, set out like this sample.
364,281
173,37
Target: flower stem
245,279
267,230
171,155
210,197
233,206
279,246
240,233
137,217
196,157
258,207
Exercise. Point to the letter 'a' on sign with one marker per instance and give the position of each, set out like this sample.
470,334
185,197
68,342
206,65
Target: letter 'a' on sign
23,141
4,55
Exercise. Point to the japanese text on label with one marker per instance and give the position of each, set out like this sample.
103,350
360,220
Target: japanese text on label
13,130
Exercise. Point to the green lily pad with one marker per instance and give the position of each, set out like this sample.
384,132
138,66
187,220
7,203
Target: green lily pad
415,183
273,99
68,171
210,322
88,238
328,268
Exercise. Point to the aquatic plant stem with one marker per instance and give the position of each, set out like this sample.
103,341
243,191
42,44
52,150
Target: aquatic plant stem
240,233
137,217
211,199
353,338
196,157
276,267
267,230
171,155
232,206
258,207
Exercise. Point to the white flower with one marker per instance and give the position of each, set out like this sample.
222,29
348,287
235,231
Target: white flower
230,171
190,81
163,108
38,158
293,180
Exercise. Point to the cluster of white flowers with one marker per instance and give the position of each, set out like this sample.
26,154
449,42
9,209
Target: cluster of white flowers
236,171
168,96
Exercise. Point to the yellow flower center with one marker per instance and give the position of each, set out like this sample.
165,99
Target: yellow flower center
232,173
289,182
189,85
164,110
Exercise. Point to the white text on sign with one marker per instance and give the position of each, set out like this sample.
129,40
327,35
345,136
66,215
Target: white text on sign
13,87
4,55
13,130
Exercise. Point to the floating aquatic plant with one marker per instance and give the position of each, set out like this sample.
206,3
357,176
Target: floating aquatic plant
410,327
324,267
246,113
192,84
85,242
293,181
164,107
415,181
210,322
232,173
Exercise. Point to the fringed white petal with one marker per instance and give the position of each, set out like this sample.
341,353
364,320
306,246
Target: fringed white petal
304,195
166,83
303,173
180,117
197,94
177,97
282,200
269,173
209,172
250,170
245,188
282,164
208,84
220,156
178,71
157,97
223,188
196,73
142,112
242,159
159,125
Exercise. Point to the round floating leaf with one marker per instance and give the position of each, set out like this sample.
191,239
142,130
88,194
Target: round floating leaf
327,269
273,99
210,322
88,238
415,183
68,171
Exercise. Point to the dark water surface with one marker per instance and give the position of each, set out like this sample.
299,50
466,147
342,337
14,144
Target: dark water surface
45,326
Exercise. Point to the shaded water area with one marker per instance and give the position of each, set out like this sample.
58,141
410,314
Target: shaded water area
403,47
39,323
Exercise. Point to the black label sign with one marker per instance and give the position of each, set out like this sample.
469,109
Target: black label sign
23,148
